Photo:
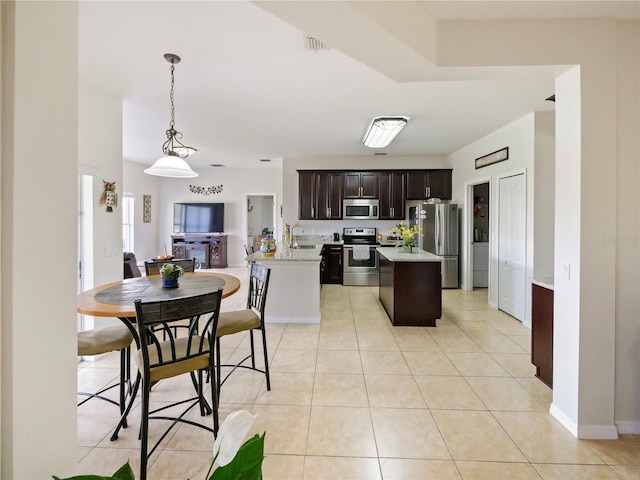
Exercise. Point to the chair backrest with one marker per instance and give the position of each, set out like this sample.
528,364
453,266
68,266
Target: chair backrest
153,268
130,265
155,322
258,286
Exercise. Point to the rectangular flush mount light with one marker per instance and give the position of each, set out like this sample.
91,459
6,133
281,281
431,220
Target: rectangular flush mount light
383,130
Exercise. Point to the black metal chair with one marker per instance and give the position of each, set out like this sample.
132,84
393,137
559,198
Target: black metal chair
104,340
153,268
161,358
249,319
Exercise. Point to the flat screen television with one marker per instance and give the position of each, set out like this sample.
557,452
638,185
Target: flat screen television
198,217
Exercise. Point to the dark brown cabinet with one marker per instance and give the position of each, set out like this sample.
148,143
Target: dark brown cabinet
319,195
542,333
320,192
331,264
360,184
210,251
391,192
411,303
423,184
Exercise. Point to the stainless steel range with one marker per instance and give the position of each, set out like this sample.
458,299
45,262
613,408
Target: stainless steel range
360,264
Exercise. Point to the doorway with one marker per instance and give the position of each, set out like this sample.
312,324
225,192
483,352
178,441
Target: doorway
512,214
260,218
477,237
86,176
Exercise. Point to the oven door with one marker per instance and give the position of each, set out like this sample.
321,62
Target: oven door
360,271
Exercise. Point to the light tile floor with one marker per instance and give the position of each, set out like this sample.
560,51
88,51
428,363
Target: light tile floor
355,398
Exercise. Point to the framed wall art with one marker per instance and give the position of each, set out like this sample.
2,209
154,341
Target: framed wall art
146,208
494,157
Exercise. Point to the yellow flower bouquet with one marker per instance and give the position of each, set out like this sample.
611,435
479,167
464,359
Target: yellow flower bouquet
406,234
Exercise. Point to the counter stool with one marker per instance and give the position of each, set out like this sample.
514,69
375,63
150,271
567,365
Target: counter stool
105,340
249,319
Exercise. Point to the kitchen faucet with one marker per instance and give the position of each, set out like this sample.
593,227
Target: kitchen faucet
294,237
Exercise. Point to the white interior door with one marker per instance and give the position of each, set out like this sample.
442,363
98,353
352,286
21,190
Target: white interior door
511,245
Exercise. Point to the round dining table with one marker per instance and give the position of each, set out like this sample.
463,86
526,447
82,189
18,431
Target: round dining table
116,299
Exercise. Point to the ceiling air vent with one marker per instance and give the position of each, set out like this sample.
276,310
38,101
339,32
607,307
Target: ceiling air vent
313,44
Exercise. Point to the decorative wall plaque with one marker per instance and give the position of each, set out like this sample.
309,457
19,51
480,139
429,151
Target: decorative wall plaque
205,190
146,208
495,157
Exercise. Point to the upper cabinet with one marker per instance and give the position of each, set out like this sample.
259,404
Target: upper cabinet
392,195
360,184
321,192
422,184
319,195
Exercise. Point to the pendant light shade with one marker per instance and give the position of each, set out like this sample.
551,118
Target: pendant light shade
172,164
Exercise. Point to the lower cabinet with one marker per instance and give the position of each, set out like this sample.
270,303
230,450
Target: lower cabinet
411,292
542,332
331,264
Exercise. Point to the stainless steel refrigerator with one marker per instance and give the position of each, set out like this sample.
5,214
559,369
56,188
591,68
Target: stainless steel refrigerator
439,222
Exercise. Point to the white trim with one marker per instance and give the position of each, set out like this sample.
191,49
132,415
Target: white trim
564,420
628,428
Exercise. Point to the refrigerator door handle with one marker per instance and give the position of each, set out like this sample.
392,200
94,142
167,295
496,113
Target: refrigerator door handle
438,231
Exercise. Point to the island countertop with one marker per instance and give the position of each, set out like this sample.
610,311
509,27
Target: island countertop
290,255
394,254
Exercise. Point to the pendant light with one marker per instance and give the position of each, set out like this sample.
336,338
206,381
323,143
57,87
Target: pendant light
172,163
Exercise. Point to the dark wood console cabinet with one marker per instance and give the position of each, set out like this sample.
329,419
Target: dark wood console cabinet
542,332
210,250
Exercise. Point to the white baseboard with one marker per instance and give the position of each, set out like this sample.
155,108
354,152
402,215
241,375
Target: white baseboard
628,428
592,432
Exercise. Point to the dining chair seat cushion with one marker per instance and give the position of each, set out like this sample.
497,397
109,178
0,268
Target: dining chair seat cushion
237,321
104,340
180,366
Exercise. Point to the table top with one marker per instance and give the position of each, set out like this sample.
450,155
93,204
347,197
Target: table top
116,299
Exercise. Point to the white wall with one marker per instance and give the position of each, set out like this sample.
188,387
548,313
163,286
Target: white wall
236,184
39,248
100,147
145,235
519,137
590,132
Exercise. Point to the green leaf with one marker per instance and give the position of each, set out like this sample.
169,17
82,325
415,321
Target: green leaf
123,473
247,464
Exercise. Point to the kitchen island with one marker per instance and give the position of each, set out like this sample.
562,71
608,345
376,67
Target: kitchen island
410,287
294,285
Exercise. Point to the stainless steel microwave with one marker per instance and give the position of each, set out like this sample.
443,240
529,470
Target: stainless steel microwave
360,209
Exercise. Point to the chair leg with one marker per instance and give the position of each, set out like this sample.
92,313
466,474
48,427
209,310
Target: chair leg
253,349
123,379
132,396
215,394
218,369
144,429
266,356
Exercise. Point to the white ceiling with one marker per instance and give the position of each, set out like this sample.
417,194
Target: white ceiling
247,89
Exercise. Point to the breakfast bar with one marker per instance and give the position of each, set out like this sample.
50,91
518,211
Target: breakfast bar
410,286
294,287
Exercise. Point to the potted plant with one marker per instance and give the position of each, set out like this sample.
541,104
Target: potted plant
407,235
170,273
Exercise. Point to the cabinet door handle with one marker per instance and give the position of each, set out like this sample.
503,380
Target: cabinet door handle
429,192
313,211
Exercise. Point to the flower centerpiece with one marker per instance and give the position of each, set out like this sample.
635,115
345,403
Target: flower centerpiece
171,273
406,234
233,460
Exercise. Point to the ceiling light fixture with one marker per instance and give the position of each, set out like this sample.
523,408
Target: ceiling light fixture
383,130
172,163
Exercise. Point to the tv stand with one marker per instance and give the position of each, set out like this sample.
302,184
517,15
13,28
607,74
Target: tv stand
209,249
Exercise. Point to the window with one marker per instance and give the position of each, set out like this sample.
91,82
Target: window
127,222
